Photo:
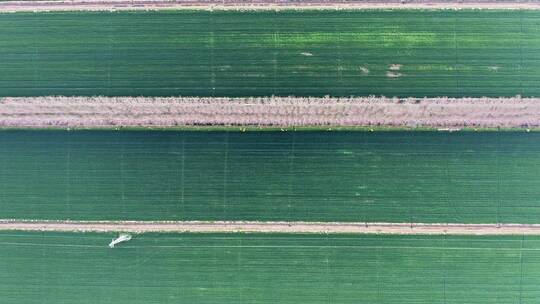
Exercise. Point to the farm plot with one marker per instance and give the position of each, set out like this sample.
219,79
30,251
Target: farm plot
430,177
205,268
262,53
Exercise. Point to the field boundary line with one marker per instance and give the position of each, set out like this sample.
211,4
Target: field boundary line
271,227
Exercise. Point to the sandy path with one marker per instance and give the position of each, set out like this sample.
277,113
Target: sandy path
273,227
89,112
100,5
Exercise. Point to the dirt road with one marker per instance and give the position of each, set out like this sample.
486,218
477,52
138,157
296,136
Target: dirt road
107,112
101,5
273,227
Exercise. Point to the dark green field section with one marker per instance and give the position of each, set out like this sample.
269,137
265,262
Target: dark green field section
160,268
262,53
270,176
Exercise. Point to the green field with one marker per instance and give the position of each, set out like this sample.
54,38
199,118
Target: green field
236,268
309,176
260,53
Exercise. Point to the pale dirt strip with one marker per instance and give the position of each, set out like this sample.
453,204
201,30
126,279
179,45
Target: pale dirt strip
119,5
110,112
271,227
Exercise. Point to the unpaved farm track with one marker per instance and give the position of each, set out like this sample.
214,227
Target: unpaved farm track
88,112
99,5
272,227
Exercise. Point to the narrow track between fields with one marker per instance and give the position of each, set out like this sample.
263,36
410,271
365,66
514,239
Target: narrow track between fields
272,227
102,5
110,112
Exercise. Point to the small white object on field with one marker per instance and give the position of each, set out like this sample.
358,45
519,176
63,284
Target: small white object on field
449,129
395,67
393,74
119,239
364,70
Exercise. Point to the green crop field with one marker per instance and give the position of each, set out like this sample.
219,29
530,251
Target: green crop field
237,268
309,176
260,53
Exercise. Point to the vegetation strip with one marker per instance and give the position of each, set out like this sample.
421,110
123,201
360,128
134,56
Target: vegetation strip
88,112
321,176
419,53
61,267
272,227
100,5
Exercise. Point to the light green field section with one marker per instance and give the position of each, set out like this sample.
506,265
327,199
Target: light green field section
184,268
261,53
463,177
